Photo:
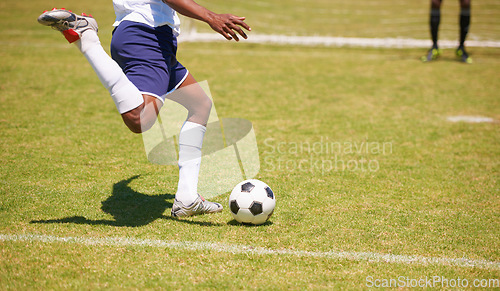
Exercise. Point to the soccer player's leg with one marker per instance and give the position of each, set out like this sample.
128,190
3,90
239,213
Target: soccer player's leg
147,55
82,31
464,22
187,200
435,19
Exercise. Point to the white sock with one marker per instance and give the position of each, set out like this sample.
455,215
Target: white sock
190,143
125,94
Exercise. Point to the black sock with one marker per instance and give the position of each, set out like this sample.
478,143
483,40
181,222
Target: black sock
464,24
435,19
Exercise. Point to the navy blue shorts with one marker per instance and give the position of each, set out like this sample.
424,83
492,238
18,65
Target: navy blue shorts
147,56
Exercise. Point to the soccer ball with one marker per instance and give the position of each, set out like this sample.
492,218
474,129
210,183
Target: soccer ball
252,201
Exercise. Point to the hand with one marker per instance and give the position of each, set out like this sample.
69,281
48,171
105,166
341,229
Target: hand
228,25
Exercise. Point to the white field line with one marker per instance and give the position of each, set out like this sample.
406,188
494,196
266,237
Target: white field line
194,36
242,249
470,119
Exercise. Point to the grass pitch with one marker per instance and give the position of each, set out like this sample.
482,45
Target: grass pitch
354,142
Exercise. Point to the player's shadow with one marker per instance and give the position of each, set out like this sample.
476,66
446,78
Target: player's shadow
129,208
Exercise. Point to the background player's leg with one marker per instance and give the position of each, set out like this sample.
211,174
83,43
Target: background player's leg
464,20
435,19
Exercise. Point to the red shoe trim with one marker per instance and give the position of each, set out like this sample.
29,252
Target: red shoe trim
71,35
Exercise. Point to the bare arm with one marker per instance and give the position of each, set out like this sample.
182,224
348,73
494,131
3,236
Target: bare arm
225,24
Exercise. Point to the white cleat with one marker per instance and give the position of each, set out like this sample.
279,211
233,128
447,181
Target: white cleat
199,206
67,22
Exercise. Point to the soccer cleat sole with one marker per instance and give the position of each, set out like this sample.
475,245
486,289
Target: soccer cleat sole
71,25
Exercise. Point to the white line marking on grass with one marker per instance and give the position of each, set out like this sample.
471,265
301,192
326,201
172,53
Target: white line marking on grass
337,41
470,119
242,249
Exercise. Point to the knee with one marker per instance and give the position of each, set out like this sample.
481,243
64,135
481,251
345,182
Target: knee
133,122
142,118
136,126
200,106
206,104
199,110
203,108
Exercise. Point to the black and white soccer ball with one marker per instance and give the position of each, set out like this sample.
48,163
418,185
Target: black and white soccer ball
252,201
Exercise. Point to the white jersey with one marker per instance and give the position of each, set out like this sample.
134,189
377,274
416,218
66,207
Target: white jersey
151,12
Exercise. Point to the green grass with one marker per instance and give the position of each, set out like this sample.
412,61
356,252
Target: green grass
363,18
71,168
